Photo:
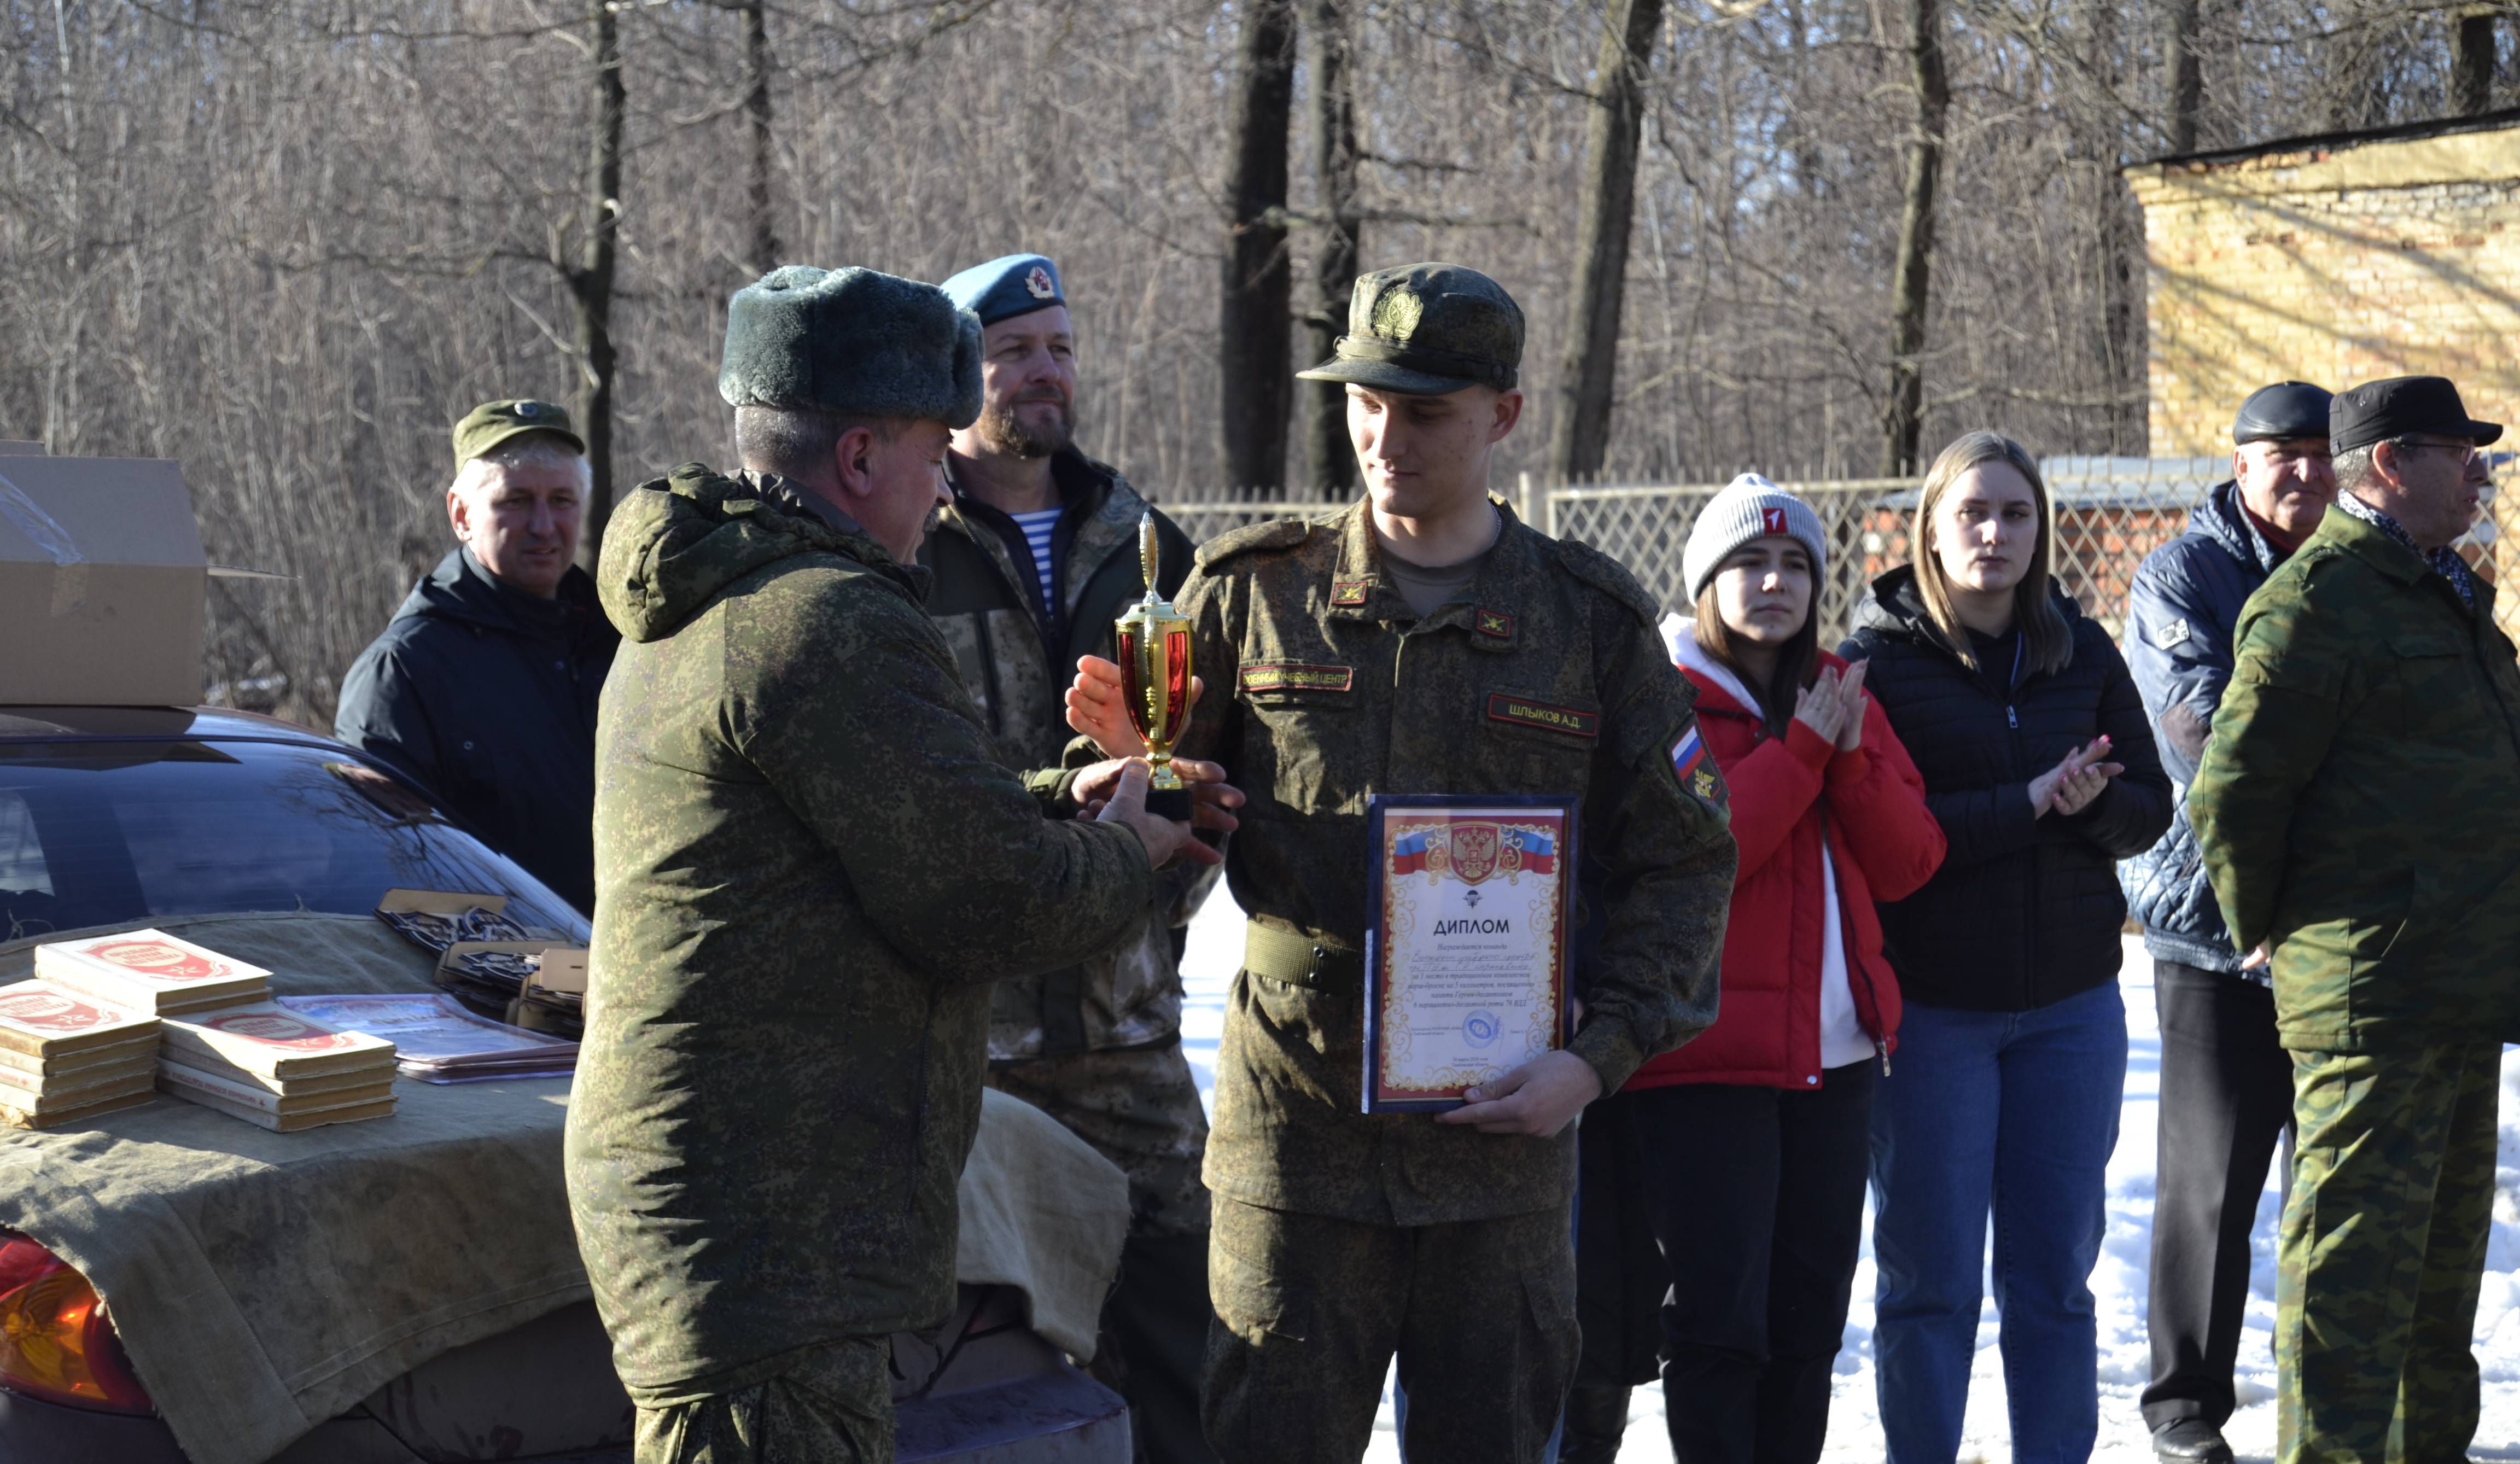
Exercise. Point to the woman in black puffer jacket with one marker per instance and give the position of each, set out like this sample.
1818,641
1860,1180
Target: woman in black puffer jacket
2039,764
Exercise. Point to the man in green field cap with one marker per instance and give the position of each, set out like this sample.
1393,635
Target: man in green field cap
1421,642
482,689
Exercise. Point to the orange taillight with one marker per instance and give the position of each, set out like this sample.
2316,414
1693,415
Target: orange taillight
56,1341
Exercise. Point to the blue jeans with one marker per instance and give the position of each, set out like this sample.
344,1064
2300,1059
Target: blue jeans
2014,1112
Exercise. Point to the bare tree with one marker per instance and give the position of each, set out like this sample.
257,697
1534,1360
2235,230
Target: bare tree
761,252
1579,434
591,278
1329,461
2182,79
1255,337
1911,279
289,242
2471,60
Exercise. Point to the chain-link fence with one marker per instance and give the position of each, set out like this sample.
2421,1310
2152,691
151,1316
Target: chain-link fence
2110,512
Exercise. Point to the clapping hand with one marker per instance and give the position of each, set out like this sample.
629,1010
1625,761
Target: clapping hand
1832,705
2070,787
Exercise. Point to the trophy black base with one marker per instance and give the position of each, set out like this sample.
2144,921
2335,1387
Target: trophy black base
1169,803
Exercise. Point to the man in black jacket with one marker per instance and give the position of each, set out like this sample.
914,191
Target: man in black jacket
1034,558
482,689
2226,1079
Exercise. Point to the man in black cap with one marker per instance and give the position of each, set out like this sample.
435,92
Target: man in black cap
1034,558
1422,641
482,689
2350,807
2226,1079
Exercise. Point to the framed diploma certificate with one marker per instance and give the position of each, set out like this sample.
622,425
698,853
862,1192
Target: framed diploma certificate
1471,908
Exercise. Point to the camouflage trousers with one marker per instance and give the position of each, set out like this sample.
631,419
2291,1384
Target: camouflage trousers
1139,1109
1310,1309
2382,1253
833,1406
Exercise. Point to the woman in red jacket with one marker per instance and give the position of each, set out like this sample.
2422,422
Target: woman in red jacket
1749,1144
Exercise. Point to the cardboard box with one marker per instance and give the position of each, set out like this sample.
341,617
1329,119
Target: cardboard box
101,583
562,969
451,963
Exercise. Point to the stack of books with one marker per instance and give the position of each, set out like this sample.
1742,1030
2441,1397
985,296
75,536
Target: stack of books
278,1068
64,1057
150,971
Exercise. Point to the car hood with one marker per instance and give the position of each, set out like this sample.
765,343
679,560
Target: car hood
72,722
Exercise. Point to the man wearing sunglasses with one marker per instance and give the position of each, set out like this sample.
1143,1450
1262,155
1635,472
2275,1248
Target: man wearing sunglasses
2350,808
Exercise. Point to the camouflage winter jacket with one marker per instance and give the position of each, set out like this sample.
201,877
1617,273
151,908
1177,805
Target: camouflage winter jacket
1016,656
1546,677
2352,802
809,867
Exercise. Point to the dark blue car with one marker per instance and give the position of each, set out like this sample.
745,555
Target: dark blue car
113,814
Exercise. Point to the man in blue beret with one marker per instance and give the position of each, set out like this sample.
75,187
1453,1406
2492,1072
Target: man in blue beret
1034,558
810,868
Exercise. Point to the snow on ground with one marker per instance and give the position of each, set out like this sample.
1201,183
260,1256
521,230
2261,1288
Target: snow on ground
1216,949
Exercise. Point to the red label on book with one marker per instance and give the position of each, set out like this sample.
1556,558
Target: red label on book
50,1011
166,963
277,1030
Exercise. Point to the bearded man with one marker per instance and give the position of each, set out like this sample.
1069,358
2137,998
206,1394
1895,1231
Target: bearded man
1034,558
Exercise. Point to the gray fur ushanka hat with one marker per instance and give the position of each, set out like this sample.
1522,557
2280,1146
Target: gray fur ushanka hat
852,341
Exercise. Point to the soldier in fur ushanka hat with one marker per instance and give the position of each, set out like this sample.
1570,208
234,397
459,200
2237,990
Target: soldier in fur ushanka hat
810,868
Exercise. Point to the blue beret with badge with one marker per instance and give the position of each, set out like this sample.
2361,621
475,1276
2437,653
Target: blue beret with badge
1002,289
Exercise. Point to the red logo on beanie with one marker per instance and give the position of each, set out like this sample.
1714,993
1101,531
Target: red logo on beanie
1772,521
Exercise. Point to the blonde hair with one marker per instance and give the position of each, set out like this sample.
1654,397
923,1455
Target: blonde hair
2048,642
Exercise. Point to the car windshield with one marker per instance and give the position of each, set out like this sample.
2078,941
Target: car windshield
95,833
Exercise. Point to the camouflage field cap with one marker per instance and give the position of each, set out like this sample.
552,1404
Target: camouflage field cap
1426,330
487,425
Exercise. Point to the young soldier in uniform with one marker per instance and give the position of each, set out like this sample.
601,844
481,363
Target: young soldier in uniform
1034,558
809,868
1423,642
2350,807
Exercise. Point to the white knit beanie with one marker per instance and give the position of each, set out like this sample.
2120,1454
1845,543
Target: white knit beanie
1749,508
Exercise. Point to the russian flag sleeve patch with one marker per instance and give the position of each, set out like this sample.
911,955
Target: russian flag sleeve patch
1696,772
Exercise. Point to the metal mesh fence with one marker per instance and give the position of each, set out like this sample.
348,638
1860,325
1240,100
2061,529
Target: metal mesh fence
2110,512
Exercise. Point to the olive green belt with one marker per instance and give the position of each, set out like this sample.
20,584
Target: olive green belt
1307,960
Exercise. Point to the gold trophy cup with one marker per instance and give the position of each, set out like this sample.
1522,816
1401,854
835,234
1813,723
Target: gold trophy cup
1153,641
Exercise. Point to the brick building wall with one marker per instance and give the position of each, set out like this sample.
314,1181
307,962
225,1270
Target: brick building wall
2332,260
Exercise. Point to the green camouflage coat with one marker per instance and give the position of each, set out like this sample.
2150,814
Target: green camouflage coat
1323,687
809,868
2351,805
1129,995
